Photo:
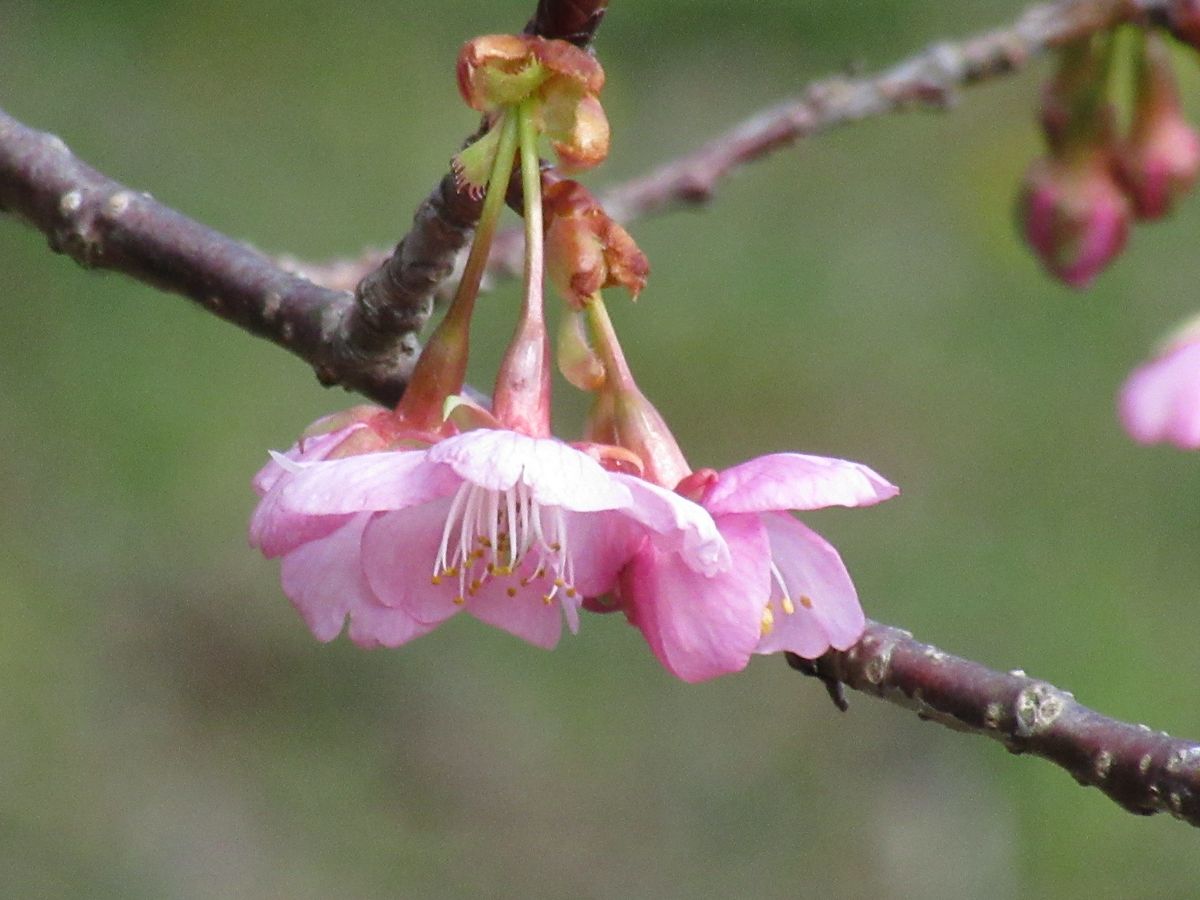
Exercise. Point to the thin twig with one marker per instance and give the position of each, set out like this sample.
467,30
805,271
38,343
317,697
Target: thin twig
1144,771
929,80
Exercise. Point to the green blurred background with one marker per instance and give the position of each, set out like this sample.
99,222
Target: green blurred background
168,728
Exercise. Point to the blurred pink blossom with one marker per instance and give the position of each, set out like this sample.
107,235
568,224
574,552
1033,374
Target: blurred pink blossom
1160,402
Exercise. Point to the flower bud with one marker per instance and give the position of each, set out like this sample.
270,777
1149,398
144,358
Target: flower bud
1074,215
1161,159
1072,209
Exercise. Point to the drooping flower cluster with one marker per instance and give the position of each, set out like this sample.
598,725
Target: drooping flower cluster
1078,200
396,520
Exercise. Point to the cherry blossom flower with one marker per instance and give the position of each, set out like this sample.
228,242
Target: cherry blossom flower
1160,402
513,529
786,587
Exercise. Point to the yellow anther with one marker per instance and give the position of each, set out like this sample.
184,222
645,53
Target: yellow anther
556,546
768,622
512,592
503,570
571,592
547,599
788,606
460,600
558,582
435,580
452,572
476,584
806,602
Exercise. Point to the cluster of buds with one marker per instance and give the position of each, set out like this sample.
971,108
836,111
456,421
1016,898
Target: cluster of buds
1078,200
396,520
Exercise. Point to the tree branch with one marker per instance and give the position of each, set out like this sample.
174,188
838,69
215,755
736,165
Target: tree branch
365,341
1144,771
367,345
102,224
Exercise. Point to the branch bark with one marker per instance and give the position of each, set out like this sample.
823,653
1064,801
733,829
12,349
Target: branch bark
365,341
1144,771
931,79
103,224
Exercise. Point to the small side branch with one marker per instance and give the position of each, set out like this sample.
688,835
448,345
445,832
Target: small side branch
1144,771
931,79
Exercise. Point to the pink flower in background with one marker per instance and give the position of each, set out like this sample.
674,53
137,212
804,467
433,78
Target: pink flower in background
513,529
786,587
1160,402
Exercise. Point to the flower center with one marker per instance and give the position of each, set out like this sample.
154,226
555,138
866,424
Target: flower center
781,599
505,535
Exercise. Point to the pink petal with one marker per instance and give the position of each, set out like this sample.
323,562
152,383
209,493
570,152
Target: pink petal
601,544
375,625
305,450
370,482
700,627
324,580
1161,400
525,615
681,525
276,531
398,551
812,570
556,473
796,481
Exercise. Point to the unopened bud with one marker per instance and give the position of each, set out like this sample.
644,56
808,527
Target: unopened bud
1074,215
1161,159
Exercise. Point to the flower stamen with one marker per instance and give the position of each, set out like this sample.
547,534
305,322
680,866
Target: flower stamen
491,534
786,600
